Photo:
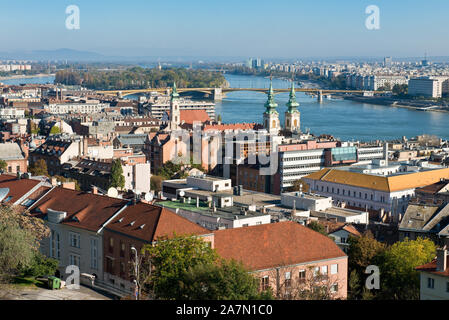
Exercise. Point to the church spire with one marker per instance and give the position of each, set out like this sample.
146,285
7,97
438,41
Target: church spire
271,105
292,104
174,93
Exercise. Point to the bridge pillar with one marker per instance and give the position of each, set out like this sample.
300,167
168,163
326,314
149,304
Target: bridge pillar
320,96
218,94
119,94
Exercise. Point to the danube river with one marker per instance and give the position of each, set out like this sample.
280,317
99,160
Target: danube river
343,119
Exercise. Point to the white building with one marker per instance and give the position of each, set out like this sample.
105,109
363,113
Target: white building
367,190
85,108
428,86
434,278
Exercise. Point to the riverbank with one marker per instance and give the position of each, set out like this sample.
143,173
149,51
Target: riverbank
400,103
21,76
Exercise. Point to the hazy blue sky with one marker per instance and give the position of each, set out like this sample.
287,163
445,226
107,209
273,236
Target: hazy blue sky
277,28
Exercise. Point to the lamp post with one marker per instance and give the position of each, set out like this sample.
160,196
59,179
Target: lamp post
136,272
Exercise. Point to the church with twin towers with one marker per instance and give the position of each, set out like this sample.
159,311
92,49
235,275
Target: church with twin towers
271,122
292,119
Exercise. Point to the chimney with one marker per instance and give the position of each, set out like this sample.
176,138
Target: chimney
69,185
94,190
441,259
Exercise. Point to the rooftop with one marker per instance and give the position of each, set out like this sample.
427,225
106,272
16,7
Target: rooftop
288,243
383,183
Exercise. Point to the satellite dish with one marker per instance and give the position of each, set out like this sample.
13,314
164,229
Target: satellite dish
182,193
149,197
112,192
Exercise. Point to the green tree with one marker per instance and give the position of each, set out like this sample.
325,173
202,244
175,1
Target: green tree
400,90
55,130
168,259
225,280
169,170
363,251
38,168
399,279
3,165
40,266
318,227
20,236
117,179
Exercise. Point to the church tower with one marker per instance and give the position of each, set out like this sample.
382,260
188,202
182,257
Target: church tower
292,115
271,116
175,114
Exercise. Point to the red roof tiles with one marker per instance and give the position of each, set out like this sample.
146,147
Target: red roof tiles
277,244
148,222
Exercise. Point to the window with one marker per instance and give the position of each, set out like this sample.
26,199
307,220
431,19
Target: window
55,245
316,271
430,283
288,279
265,283
334,268
447,286
94,254
75,240
302,276
75,259
324,270
334,288
122,249
122,269
111,245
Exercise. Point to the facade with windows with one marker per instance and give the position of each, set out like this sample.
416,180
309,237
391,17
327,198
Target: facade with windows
434,278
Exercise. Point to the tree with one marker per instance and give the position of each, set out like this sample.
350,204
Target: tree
363,250
117,179
168,259
169,170
318,227
55,130
312,285
219,118
38,168
156,183
399,279
20,236
225,280
400,90
40,266
3,165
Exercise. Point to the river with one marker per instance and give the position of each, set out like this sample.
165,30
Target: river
344,119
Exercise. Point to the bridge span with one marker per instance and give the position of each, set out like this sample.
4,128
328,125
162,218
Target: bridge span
219,93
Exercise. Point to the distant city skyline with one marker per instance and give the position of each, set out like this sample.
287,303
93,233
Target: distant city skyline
266,29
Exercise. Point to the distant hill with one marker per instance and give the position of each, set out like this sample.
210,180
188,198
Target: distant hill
58,54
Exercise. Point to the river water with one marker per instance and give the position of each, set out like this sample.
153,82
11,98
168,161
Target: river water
347,120
344,119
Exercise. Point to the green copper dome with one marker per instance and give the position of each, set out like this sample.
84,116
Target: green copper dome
174,93
292,104
271,105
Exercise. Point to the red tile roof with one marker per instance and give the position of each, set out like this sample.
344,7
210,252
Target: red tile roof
17,188
148,222
190,116
432,268
84,210
233,126
276,244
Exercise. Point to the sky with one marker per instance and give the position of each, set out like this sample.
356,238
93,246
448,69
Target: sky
246,28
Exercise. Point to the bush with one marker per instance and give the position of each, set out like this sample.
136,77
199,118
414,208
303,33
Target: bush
41,266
